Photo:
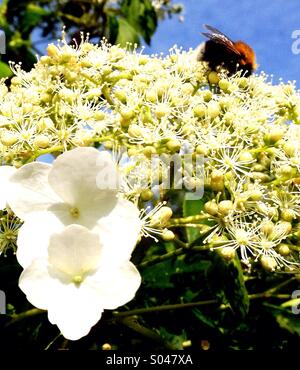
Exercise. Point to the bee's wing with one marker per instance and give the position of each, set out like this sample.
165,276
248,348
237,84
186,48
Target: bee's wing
220,38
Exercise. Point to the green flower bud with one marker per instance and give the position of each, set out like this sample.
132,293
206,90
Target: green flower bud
224,84
207,95
42,141
135,131
268,263
213,110
161,217
167,235
146,195
199,111
225,207
211,207
284,249
213,78
173,145
287,215
267,227
228,253
8,138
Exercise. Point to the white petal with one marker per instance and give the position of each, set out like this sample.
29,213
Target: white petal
34,235
84,174
115,286
37,284
119,231
74,310
75,251
30,190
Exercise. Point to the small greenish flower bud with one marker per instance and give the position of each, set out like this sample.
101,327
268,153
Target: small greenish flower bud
8,138
284,249
281,229
268,263
161,217
46,98
173,145
224,84
167,235
108,145
127,114
207,95
149,151
225,207
267,227
274,135
243,82
228,253
146,195
44,59
255,195
258,167
287,215
42,141
287,171
290,148
187,129
245,156
135,131
121,95
202,150
213,78
262,177
211,207
199,110
213,110
217,180
53,51
99,115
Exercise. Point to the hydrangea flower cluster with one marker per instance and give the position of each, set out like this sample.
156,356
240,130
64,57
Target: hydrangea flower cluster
152,107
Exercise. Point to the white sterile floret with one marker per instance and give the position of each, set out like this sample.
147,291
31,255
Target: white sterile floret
77,279
80,187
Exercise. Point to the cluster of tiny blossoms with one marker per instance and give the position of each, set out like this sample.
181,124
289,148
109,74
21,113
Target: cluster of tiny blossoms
246,129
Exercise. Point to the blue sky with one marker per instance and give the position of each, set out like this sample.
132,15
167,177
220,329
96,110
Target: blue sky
266,25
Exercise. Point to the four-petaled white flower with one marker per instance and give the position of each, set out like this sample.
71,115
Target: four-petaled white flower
77,280
80,187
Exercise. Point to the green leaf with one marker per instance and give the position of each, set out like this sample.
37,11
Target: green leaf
126,33
141,15
229,278
191,208
204,319
289,323
5,70
160,275
33,16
